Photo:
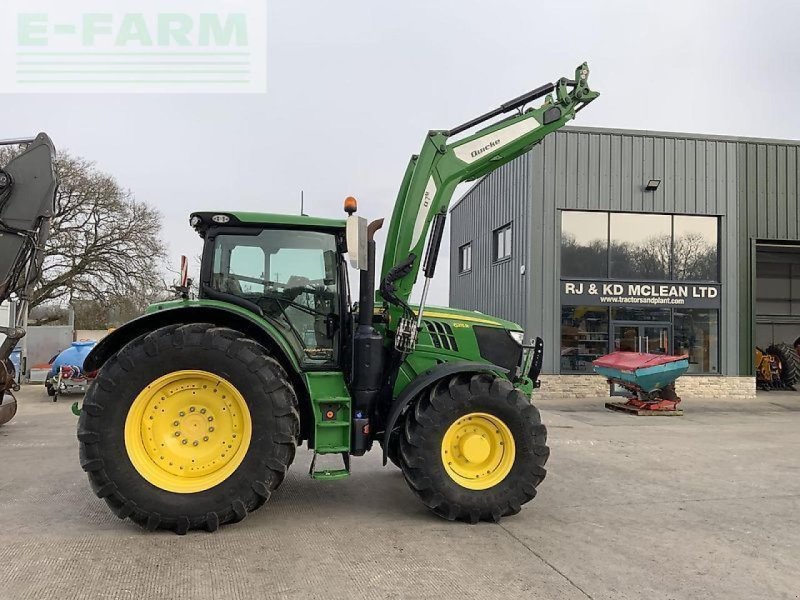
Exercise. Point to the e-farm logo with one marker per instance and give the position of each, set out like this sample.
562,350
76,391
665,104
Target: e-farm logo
129,46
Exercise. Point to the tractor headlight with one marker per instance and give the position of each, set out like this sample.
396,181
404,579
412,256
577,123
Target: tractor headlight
517,336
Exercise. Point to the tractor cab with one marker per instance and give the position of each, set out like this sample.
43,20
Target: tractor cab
288,270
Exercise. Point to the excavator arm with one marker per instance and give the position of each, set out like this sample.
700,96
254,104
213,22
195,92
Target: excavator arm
432,176
28,186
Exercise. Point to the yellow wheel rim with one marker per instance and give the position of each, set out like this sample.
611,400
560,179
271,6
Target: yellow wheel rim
188,431
478,451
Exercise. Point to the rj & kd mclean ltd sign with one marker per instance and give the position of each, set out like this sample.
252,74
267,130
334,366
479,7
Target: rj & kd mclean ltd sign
629,293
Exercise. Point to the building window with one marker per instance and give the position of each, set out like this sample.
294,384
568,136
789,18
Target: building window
695,249
465,258
588,332
639,282
502,243
584,337
584,244
697,336
640,246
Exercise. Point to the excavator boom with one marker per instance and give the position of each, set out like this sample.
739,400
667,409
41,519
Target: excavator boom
432,176
28,186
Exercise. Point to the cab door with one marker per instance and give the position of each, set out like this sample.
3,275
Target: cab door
291,277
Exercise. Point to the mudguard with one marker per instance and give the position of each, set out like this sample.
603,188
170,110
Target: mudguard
198,313
425,380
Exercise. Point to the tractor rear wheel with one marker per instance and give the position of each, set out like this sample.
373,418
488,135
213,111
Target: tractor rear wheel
188,427
474,448
790,362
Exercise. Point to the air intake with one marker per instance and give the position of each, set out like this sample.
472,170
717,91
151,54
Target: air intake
441,335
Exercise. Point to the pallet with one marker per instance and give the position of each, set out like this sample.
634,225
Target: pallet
632,410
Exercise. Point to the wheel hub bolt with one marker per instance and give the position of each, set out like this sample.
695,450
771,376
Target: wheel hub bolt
182,414
202,411
210,419
194,443
177,434
191,409
184,442
211,429
176,423
205,438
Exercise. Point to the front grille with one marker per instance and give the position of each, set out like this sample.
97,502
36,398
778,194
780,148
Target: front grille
496,346
441,335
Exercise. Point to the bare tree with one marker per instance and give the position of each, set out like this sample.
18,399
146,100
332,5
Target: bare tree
694,258
103,243
113,310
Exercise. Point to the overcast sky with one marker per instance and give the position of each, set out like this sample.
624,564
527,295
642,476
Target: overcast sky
354,85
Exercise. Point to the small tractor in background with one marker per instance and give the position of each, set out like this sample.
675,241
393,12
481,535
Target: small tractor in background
777,368
197,408
28,186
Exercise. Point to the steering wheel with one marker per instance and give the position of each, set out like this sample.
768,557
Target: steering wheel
319,291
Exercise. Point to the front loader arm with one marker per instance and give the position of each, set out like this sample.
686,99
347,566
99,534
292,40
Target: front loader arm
432,176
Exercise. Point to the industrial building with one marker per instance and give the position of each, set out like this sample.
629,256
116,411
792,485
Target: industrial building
606,239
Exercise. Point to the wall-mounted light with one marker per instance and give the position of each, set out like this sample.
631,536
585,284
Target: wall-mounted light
652,185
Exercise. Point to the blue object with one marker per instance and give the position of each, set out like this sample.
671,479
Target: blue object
647,372
72,357
16,359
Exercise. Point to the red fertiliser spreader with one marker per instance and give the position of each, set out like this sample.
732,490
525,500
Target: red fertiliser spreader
649,380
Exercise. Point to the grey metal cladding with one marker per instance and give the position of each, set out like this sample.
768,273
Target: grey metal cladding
595,169
496,288
769,178
752,184
608,170
768,209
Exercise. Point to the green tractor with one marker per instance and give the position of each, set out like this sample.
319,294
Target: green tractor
198,407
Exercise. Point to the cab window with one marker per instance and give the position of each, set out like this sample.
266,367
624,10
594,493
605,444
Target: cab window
292,276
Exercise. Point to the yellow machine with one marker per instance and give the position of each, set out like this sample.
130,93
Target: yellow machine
777,368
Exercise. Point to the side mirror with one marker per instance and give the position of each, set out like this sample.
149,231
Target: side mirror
356,234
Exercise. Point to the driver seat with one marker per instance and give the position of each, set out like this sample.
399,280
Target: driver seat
227,284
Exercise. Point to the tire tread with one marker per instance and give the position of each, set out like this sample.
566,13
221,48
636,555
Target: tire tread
427,420
254,358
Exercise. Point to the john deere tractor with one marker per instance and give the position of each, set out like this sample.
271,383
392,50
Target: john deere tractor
198,407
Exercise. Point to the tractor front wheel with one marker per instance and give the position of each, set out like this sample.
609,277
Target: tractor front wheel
188,427
474,448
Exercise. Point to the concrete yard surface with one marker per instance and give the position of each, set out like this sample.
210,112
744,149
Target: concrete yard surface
701,506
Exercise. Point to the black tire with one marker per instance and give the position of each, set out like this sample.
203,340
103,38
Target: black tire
51,391
261,381
790,362
432,415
